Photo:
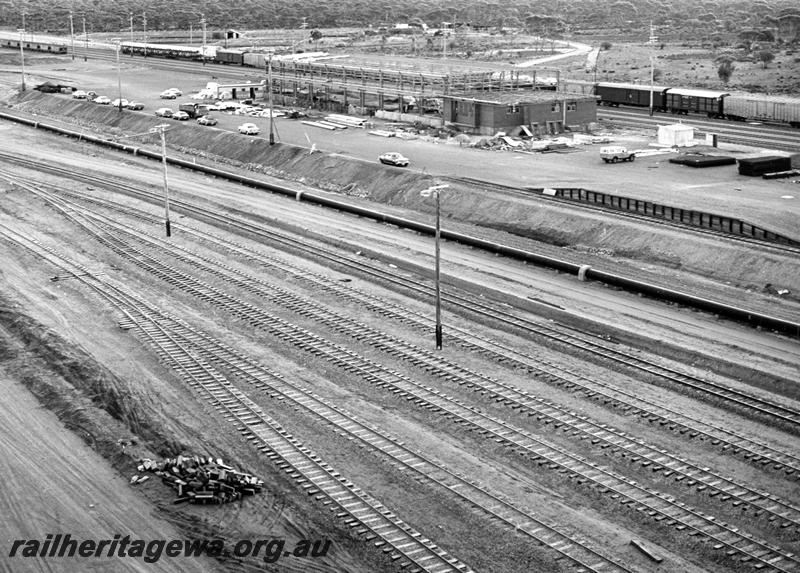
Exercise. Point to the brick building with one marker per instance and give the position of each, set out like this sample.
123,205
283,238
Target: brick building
540,112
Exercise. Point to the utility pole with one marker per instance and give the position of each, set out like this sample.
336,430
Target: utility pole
166,184
438,334
131,15
85,40
144,29
71,36
653,39
22,54
271,114
437,288
203,22
652,80
119,74
161,129
190,33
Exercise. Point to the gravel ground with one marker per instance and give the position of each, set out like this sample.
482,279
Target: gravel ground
106,386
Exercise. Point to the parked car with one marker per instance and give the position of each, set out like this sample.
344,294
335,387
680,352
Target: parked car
102,100
90,95
180,115
168,95
116,103
164,112
394,158
79,94
135,105
249,129
176,91
615,154
207,120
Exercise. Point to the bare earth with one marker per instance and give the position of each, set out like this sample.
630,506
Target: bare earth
77,388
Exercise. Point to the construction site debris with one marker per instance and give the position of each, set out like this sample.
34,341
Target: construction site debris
200,479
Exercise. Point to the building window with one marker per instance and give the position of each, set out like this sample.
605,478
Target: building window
512,108
572,105
555,107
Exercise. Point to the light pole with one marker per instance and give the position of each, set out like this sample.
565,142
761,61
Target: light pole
652,80
22,54
85,40
269,87
131,15
437,288
203,22
71,35
162,128
119,74
596,61
144,30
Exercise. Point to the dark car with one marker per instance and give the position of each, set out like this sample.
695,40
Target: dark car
207,120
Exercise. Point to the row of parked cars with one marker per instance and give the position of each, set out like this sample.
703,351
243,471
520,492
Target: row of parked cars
239,108
104,100
183,116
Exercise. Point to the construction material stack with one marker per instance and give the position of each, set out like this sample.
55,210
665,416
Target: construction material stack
201,480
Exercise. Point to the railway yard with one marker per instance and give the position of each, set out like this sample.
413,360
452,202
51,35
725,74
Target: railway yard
565,425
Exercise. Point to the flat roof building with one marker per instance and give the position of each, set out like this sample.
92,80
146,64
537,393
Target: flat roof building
531,112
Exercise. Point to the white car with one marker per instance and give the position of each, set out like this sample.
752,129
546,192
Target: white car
168,95
615,154
102,100
180,115
176,91
249,129
394,158
79,94
164,112
116,103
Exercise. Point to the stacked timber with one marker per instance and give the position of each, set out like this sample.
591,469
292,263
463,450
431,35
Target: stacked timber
200,479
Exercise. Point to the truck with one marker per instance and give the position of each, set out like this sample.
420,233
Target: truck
615,154
194,110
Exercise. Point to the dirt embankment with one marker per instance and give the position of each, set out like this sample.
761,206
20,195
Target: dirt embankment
70,490
530,218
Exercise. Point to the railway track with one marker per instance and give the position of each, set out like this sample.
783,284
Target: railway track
198,359
600,435
658,506
780,248
757,453
721,394
318,478
730,132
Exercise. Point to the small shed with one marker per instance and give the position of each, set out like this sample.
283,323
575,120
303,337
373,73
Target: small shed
675,135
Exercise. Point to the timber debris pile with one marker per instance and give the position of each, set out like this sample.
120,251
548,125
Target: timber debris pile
200,480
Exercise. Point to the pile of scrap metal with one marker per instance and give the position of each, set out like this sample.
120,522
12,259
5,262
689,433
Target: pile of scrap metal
200,479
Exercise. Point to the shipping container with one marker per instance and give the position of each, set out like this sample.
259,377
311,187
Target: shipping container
756,166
